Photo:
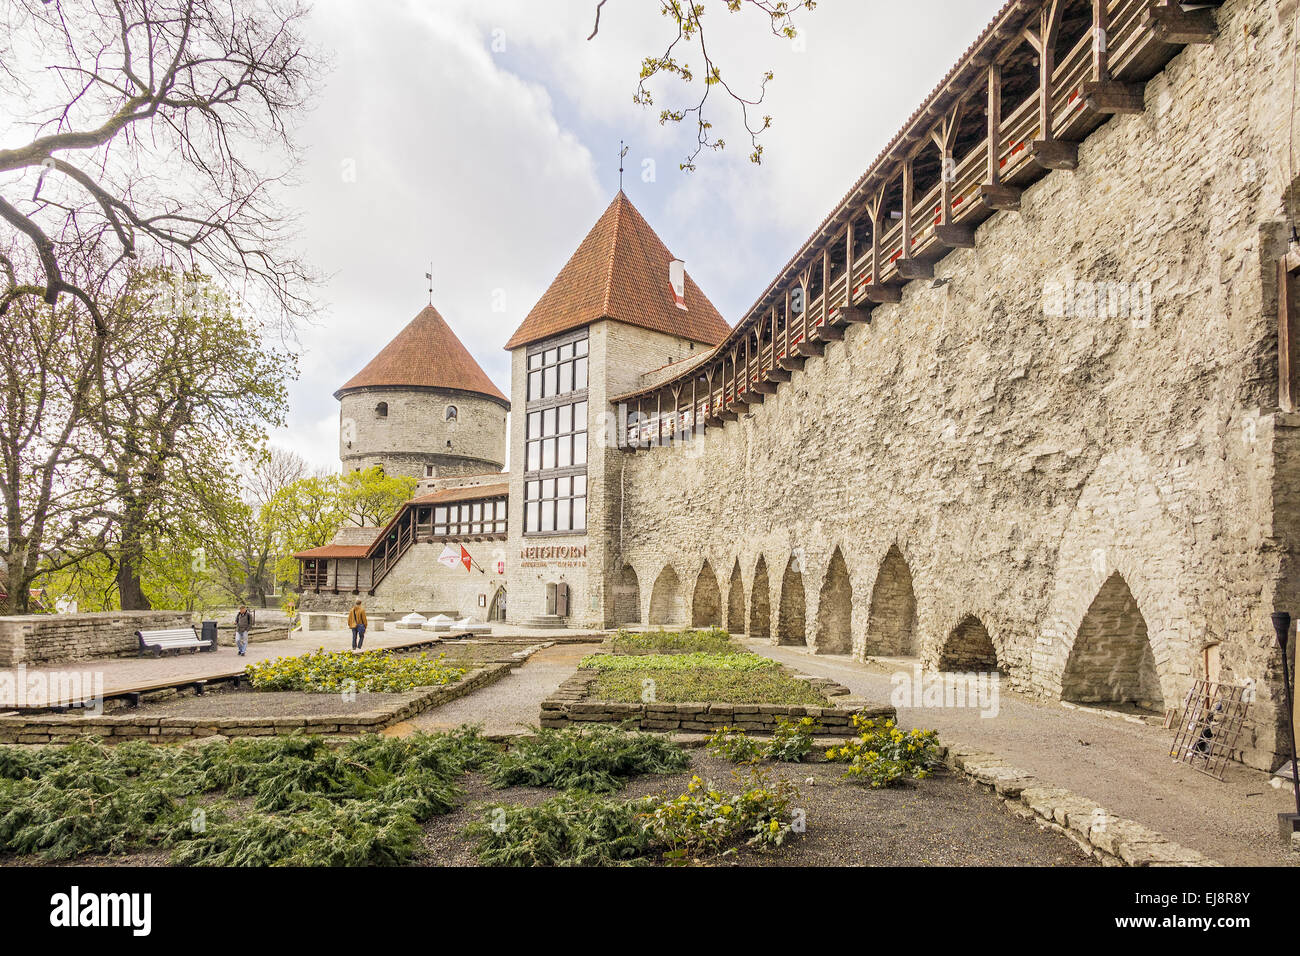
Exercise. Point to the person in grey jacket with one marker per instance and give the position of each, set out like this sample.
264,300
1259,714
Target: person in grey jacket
243,624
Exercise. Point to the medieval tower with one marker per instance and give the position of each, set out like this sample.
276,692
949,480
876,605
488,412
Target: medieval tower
422,407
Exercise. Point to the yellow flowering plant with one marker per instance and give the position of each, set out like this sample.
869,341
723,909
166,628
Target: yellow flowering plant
332,672
883,754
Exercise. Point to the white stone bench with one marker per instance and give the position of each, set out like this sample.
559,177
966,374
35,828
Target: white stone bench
176,639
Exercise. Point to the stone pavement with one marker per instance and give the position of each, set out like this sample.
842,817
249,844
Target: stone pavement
514,702
124,673
1125,767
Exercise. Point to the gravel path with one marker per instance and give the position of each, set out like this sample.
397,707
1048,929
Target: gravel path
513,703
941,821
1122,766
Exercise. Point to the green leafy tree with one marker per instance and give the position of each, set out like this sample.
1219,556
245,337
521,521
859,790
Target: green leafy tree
188,388
308,513
371,497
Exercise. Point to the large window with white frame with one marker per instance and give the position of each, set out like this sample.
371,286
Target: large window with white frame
555,504
555,437
470,518
557,370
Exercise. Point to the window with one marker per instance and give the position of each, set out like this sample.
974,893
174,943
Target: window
558,370
470,517
451,413
555,504
557,437
381,410
428,471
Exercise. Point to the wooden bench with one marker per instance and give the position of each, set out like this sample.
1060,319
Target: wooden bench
176,639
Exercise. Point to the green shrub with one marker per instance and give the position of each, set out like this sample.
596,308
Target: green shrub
364,799
580,829
380,671
573,829
790,742
742,661
705,820
596,759
711,640
352,833
882,755
769,685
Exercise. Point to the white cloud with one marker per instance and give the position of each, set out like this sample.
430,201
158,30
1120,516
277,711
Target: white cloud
495,163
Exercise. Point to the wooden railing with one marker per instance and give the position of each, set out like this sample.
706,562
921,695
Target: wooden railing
741,372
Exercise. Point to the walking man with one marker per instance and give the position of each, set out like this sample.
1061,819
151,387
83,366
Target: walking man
357,621
243,624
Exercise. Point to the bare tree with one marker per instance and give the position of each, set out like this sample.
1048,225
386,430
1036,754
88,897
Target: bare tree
248,536
147,126
688,20
46,377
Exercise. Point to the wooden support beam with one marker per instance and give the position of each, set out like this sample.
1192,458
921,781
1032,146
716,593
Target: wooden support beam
884,292
994,172
1170,23
762,388
992,193
1100,41
809,349
792,363
848,314
1055,154
848,263
914,269
1111,96
954,236
996,196
777,375
1288,332
826,333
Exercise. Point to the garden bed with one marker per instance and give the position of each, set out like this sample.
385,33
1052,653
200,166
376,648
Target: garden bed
708,640
561,798
700,691
232,710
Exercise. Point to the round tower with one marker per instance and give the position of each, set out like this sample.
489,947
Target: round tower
423,407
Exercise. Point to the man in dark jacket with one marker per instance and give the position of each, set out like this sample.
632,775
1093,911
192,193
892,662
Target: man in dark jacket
243,624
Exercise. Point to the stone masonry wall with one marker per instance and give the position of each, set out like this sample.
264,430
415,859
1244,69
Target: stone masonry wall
415,432
51,638
1017,457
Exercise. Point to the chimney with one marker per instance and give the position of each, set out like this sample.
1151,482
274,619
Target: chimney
677,279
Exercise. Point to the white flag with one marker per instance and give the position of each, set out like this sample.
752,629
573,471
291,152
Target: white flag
450,556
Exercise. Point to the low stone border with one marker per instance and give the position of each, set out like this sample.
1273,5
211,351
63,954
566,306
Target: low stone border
1109,839
567,706
56,728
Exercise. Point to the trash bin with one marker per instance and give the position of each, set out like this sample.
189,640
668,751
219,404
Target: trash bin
209,634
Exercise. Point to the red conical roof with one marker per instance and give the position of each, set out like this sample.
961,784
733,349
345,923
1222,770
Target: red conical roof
425,354
620,272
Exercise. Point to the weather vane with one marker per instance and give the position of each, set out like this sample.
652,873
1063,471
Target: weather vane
429,275
622,152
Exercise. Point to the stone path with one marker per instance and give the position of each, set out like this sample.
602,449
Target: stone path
513,703
1122,766
121,673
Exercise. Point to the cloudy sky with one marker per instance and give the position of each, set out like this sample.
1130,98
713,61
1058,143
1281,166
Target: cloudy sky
482,135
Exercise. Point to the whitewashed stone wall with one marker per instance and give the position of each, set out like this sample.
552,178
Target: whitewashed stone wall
1017,458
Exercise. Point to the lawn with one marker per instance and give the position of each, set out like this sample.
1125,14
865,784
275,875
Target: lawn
711,640
769,685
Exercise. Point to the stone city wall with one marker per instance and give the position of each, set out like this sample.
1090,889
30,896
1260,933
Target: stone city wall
1071,452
